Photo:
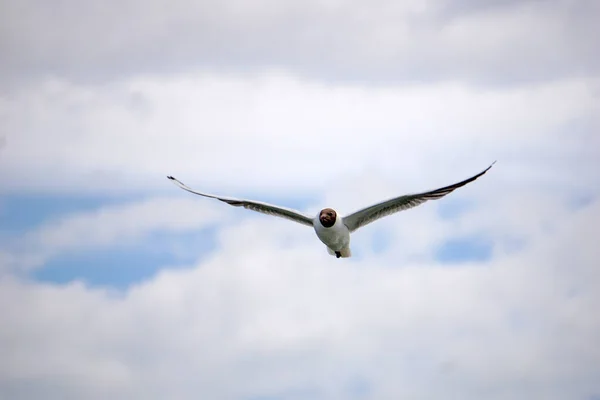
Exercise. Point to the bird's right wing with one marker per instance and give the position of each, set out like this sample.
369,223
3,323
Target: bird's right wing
257,206
370,214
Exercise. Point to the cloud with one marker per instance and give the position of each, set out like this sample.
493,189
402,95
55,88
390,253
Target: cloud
304,105
109,227
279,320
221,132
486,43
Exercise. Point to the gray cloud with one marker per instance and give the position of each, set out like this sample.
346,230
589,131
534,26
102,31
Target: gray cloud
449,8
385,41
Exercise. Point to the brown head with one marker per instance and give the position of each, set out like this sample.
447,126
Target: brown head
327,216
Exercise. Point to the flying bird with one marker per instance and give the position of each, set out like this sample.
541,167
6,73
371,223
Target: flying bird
331,228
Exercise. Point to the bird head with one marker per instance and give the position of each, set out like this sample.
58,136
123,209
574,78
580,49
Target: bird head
327,217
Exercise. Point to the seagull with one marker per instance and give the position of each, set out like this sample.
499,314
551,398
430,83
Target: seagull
331,228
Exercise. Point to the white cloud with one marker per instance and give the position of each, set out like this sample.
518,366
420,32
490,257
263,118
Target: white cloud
280,134
260,318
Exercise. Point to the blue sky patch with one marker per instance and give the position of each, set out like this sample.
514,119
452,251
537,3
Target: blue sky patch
472,248
358,388
123,266
381,240
579,201
452,208
23,212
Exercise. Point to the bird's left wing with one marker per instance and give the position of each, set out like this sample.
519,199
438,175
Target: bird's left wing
370,214
257,206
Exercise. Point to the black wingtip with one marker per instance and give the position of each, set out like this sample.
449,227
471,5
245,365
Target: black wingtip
488,168
170,177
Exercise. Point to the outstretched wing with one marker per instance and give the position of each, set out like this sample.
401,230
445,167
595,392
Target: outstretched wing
257,206
370,214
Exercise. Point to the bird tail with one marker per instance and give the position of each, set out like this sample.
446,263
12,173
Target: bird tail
345,252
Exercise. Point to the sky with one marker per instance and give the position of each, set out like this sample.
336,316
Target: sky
116,284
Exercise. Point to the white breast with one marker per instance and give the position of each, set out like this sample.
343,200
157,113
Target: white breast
336,238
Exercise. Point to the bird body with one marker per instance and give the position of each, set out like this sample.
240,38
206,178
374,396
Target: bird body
335,236
332,229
